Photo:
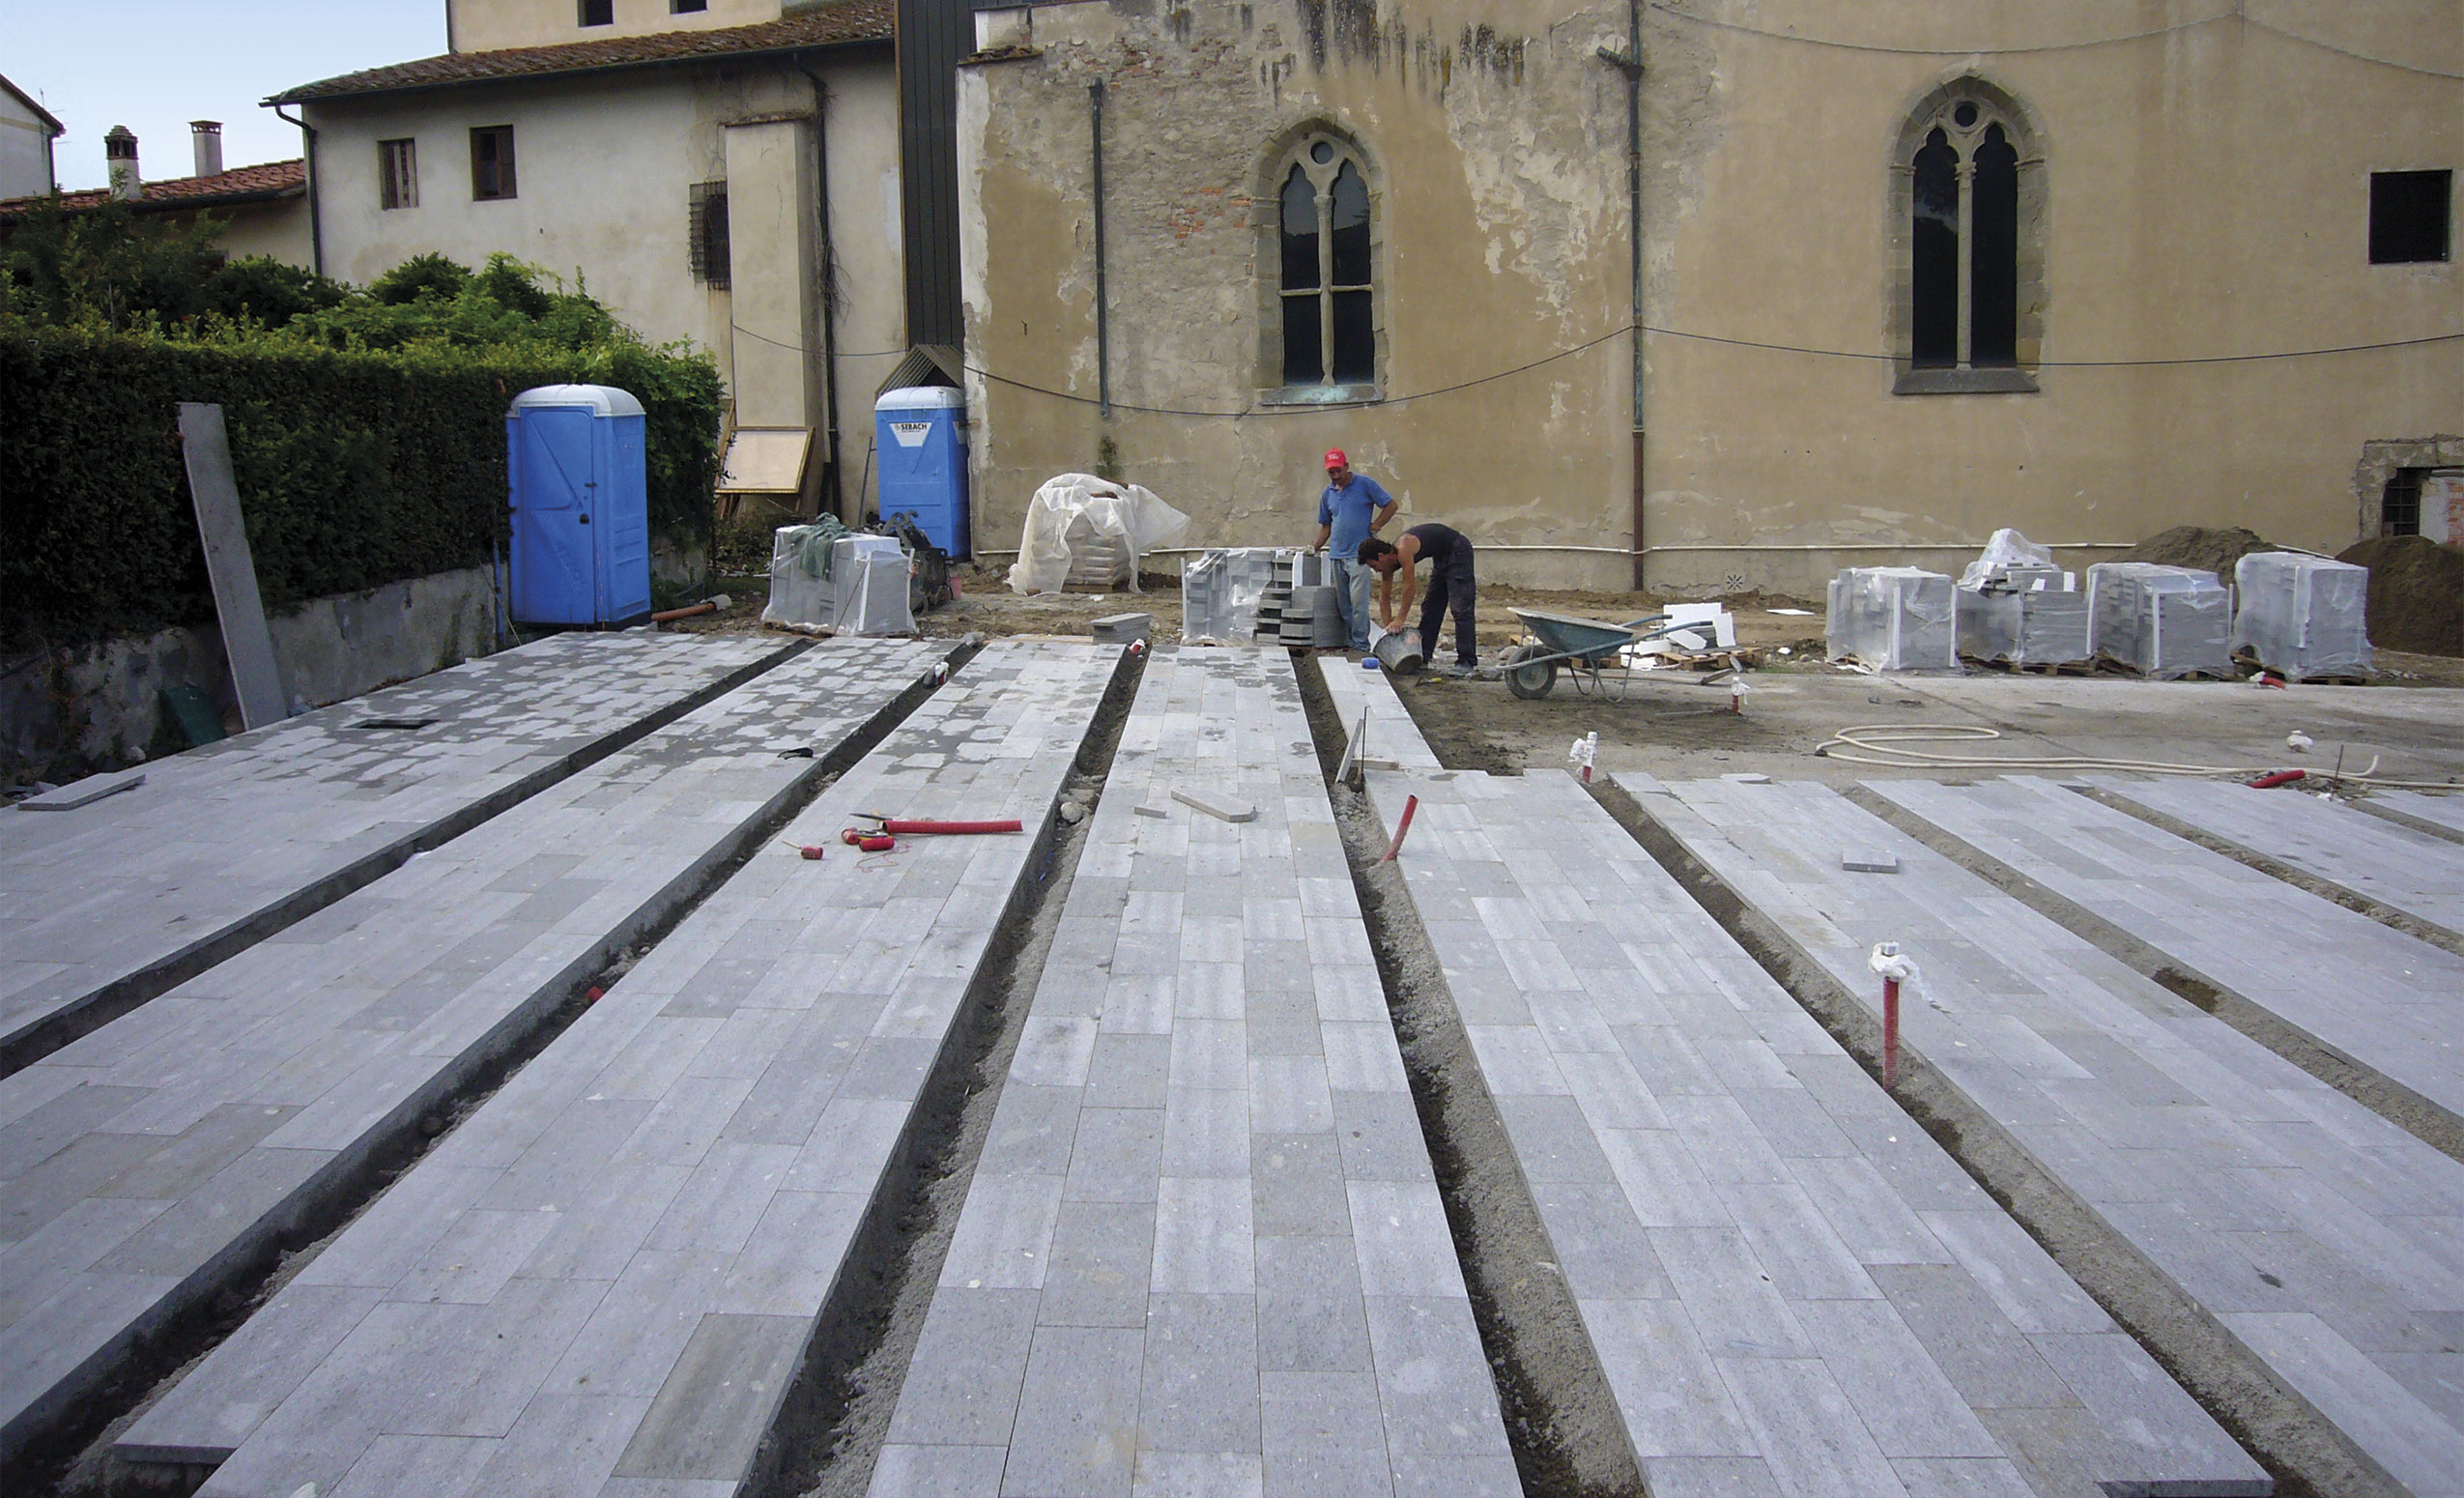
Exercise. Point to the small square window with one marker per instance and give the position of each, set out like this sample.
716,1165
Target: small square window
598,12
398,174
492,162
2409,213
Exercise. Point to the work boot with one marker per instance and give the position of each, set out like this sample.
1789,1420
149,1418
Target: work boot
1459,671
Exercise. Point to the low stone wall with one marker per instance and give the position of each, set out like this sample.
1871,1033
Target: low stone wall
101,703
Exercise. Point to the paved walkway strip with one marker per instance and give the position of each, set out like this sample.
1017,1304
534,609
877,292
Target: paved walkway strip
1791,1288
2373,995
604,1281
114,901
1392,734
145,1163
2413,872
2325,1239
2443,812
1204,1250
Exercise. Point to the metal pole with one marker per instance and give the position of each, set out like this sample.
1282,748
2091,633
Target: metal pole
1103,309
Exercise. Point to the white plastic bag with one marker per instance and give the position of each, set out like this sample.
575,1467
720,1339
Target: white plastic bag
1128,513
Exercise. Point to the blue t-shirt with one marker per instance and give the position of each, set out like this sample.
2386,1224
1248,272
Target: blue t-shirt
1348,510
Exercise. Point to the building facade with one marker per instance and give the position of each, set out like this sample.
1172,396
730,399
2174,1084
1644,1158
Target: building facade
27,131
725,175
1906,272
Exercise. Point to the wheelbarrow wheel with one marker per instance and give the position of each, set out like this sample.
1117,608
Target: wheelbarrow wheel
1527,675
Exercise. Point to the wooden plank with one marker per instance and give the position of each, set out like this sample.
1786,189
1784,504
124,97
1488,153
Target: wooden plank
245,640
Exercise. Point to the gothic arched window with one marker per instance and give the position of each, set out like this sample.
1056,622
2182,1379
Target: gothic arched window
1969,190
1322,340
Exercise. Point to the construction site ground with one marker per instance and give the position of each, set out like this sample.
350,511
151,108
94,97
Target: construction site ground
562,1106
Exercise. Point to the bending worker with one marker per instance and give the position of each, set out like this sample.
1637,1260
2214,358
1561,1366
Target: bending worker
1450,558
1349,512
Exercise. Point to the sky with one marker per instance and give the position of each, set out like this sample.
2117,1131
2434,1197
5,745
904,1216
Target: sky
156,65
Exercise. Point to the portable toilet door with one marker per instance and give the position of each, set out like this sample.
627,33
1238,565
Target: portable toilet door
580,498
920,437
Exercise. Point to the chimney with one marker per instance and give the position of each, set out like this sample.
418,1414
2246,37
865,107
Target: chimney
120,157
207,134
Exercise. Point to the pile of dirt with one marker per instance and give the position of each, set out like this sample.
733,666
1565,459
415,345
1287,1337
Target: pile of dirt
2416,593
2196,546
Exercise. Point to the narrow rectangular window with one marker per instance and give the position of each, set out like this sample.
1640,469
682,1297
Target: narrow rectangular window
598,12
492,162
398,174
2409,215
687,6
706,233
2399,511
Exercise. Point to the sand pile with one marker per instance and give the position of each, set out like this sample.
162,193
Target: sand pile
2416,593
2196,546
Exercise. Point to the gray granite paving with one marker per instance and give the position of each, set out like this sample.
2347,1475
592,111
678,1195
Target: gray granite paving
2417,873
1789,1285
602,1281
2381,1000
1392,734
2445,812
2327,1241
1203,1251
235,831
142,1164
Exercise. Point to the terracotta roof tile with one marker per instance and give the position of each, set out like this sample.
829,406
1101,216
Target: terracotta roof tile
831,26
270,179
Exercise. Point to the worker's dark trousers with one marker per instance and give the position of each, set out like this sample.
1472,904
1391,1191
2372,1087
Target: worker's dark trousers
1455,588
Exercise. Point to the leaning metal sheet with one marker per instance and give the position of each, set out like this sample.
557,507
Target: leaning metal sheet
1204,1249
2327,1242
605,1279
145,1163
226,844
1791,1288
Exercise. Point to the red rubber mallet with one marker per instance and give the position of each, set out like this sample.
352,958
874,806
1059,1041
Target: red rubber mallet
811,851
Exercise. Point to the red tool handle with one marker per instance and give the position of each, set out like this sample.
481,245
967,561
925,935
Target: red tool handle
903,824
2280,778
868,842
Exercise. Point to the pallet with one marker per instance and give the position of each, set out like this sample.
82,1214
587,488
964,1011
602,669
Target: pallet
2032,668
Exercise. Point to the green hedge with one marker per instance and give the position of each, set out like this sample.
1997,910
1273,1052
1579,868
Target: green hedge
355,467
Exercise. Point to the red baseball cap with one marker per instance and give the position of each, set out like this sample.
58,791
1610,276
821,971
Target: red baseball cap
1335,459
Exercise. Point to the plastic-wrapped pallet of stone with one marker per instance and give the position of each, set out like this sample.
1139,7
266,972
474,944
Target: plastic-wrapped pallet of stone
2163,623
869,575
1893,619
2302,615
801,597
2025,618
1220,592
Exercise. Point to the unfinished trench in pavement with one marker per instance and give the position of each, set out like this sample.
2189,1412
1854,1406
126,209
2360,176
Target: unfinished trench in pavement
947,1195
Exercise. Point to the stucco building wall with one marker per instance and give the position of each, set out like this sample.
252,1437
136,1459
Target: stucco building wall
25,149
486,25
2205,196
604,168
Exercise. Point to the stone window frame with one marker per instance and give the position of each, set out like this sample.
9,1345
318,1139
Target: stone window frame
1291,148
2382,460
1932,110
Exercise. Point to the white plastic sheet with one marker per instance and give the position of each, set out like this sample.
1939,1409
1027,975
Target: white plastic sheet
2302,615
870,574
1083,508
2163,623
2007,555
1893,619
2016,605
801,597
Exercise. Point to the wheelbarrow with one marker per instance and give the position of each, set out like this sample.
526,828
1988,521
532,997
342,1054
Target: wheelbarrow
1592,652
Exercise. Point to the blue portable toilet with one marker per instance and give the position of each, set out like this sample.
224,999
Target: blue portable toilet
581,502
920,435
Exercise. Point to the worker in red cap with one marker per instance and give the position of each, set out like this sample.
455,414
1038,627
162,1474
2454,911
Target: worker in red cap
1350,512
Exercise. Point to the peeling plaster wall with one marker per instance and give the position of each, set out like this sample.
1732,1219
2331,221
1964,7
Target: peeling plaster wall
2206,188
2207,193
1496,143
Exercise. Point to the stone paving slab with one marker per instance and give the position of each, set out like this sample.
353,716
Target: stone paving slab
604,1280
237,838
1392,734
2413,872
145,1163
2329,1241
2379,999
1791,1288
1204,1250
2444,812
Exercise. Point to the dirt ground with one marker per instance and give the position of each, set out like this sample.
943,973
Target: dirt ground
1670,724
